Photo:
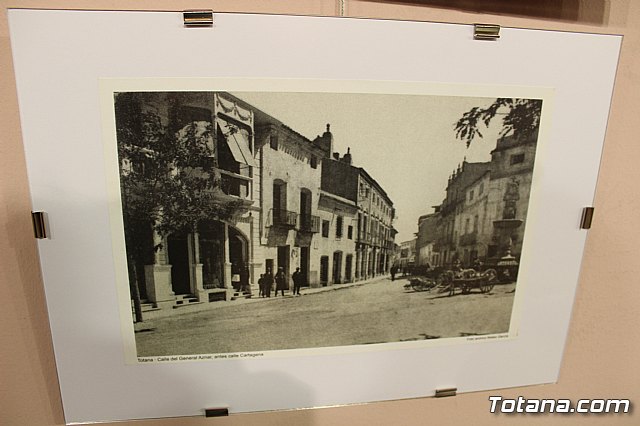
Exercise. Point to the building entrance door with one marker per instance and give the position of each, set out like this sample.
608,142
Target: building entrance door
283,259
337,267
238,251
179,260
324,270
212,254
305,263
348,266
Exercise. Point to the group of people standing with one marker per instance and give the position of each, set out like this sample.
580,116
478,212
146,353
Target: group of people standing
266,281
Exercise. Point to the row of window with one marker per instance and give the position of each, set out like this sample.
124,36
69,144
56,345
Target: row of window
480,191
378,201
339,228
514,159
273,143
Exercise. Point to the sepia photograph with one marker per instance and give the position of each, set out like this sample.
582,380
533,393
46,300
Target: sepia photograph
259,221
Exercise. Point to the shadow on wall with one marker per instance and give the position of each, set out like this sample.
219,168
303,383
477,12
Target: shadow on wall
579,11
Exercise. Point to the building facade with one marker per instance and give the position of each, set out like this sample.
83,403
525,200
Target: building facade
290,171
337,245
374,232
200,263
426,254
406,260
483,215
282,209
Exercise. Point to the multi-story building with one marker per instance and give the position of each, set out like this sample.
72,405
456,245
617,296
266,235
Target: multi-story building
292,207
452,206
374,233
337,245
285,213
426,255
484,212
406,259
198,264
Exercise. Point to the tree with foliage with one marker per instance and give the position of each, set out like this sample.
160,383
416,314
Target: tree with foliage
169,180
521,117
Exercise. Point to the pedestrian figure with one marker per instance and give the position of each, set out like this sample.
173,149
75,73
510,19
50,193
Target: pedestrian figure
478,264
268,282
298,280
281,281
394,269
457,268
261,288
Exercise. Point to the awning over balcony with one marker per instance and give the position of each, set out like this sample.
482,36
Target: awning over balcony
238,143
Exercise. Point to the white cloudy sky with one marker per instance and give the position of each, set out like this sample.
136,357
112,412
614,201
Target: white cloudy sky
407,143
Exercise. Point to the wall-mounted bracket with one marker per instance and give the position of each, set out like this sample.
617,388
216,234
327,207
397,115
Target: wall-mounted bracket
486,31
39,225
587,218
441,393
198,18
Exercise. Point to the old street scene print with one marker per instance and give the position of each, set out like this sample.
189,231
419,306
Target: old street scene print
262,221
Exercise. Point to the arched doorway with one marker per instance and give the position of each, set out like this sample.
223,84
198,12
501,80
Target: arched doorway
211,239
216,244
238,252
212,252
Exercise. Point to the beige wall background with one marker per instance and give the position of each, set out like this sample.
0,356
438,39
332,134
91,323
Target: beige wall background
602,356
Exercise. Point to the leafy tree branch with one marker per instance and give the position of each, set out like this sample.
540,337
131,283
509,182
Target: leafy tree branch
521,118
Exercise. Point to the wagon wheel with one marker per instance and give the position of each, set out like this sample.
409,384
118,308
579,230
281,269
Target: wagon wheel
486,287
489,276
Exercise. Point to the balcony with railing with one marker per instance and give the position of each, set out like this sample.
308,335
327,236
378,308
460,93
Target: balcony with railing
309,223
283,218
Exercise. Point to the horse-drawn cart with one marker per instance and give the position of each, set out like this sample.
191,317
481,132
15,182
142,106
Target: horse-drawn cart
468,279
450,281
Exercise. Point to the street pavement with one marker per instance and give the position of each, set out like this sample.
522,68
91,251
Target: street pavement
377,311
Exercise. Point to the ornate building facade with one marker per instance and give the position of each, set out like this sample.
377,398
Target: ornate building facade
483,215
275,205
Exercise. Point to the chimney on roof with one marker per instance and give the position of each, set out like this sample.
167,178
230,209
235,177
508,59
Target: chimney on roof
325,142
347,157
336,156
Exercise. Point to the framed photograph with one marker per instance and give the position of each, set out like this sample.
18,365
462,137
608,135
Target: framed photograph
290,212
235,204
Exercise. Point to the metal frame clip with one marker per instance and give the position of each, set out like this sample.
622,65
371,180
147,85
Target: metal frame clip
198,18
486,31
216,412
39,225
441,393
587,218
